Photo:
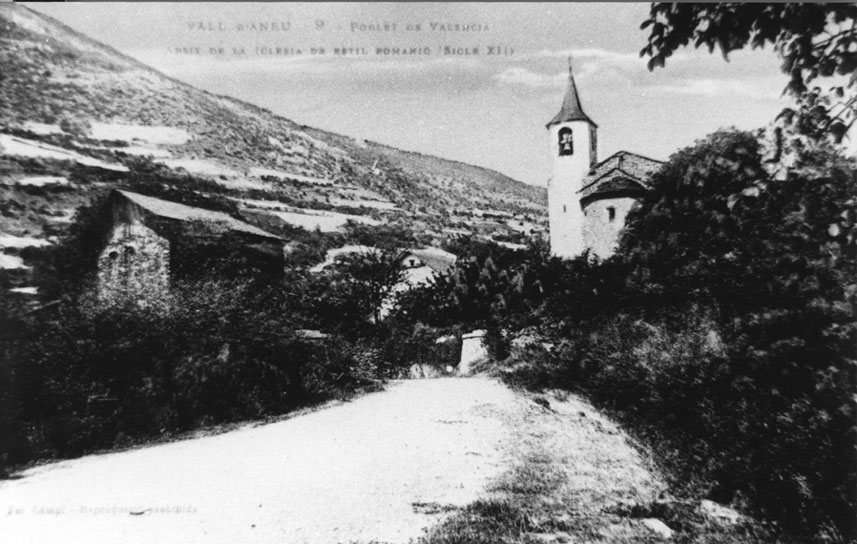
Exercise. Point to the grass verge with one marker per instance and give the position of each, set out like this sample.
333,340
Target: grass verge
574,477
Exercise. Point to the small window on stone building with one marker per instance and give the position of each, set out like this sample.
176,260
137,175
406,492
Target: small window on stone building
130,251
113,254
611,213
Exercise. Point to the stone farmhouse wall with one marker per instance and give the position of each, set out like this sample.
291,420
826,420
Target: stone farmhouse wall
153,243
602,224
134,266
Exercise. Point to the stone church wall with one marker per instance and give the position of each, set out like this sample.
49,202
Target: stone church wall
134,266
602,224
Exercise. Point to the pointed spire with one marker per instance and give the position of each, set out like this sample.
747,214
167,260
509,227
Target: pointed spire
571,108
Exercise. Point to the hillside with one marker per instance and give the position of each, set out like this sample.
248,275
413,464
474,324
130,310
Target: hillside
77,115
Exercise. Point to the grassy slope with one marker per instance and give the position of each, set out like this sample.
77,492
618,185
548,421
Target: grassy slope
577,478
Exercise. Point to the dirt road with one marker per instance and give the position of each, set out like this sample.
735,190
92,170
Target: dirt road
380,468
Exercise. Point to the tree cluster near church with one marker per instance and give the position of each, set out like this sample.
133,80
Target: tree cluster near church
724,332
775,257
776,263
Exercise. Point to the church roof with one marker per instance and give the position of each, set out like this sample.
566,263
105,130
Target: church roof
181,212
571,109
622,172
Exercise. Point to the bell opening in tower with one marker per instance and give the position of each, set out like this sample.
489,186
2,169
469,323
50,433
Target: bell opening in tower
566,141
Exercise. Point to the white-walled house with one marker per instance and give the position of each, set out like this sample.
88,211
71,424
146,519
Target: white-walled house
424,264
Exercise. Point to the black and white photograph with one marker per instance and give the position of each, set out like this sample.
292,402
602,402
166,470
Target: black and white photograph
428,273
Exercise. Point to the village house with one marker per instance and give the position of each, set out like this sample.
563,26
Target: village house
152,242
422,265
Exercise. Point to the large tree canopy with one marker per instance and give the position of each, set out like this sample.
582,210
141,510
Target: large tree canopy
813,40
777,261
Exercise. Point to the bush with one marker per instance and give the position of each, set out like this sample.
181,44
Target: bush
405,346
88,377
490,287
725,330
778,260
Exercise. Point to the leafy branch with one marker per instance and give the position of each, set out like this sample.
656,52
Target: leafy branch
813,40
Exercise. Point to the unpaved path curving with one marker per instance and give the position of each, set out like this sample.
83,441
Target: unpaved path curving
380,468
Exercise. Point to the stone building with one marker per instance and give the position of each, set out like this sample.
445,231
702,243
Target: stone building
152,242
610,190
588,200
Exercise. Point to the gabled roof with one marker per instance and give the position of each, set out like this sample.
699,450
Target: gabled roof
181,212
571,109
437,259
621,172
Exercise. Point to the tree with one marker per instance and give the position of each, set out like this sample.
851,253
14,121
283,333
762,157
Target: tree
716,222
361,283
777,262
68,267
813,40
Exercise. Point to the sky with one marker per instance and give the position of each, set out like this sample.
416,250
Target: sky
443,98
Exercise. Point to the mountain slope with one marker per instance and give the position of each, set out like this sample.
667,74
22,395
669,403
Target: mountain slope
61,88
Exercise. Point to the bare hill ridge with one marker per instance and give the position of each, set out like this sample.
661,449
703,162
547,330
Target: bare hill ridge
76,114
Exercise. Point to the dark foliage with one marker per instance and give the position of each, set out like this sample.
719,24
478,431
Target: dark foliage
358,285
778,258
485,289
69,266
85,377
729,335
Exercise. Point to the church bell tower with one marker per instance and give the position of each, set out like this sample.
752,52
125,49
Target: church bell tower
573,146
